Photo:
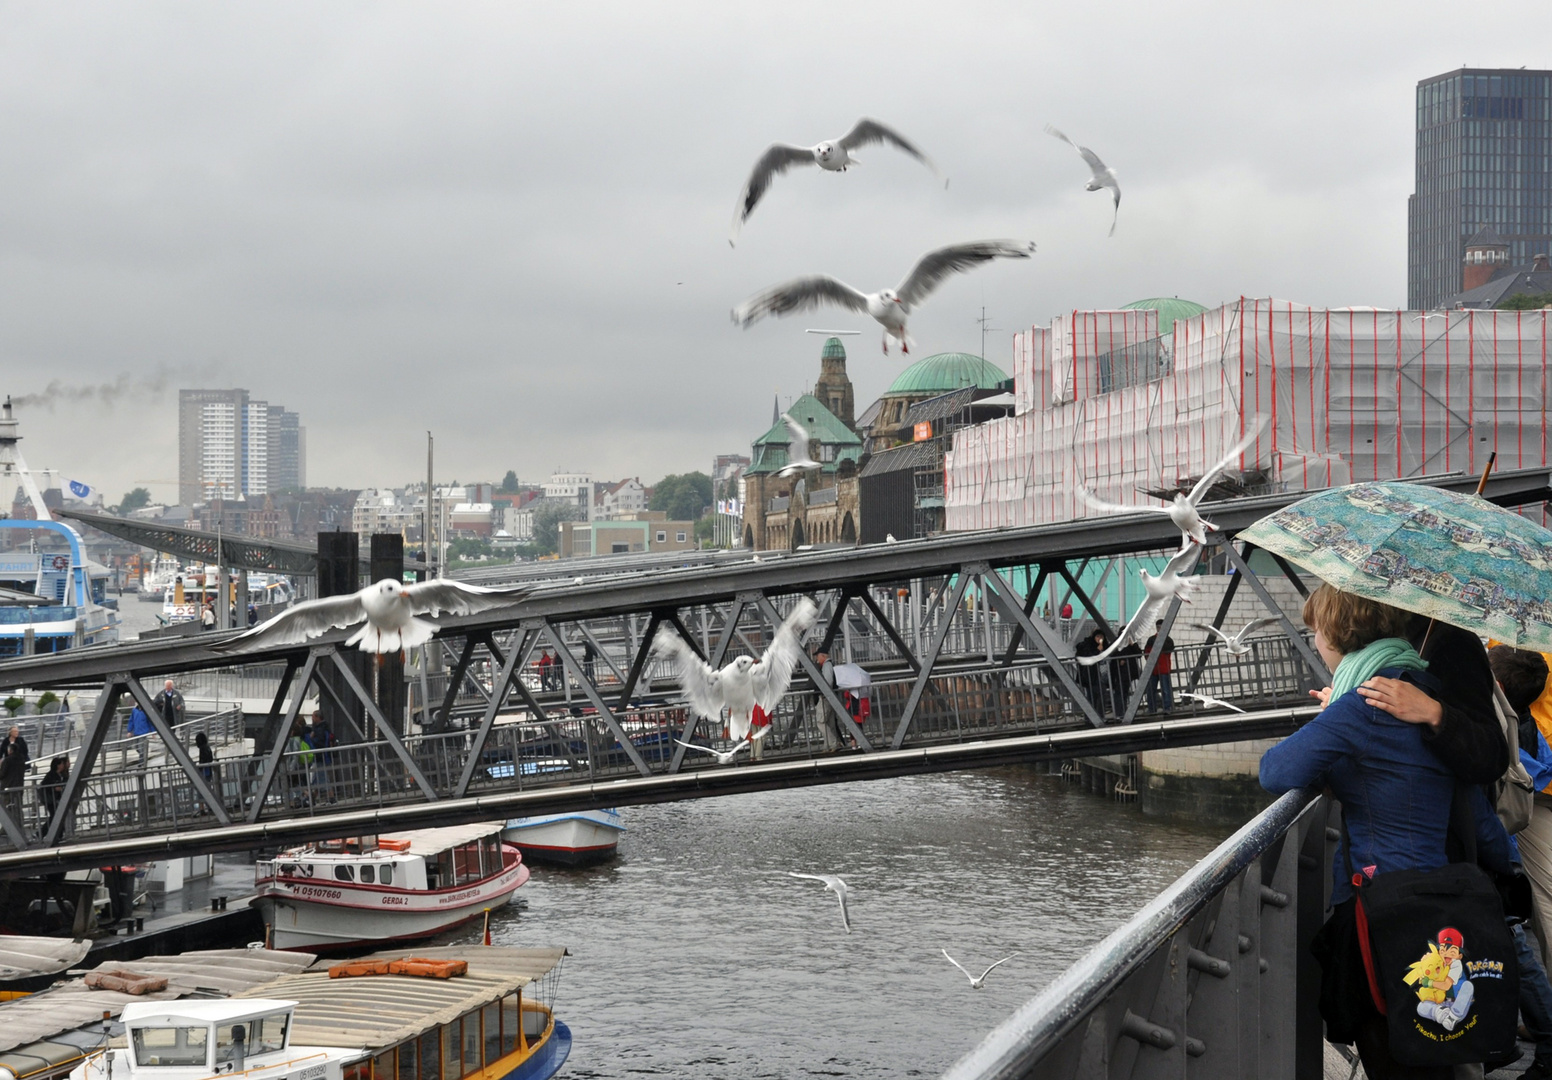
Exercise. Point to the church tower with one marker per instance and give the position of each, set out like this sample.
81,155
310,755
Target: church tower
834,387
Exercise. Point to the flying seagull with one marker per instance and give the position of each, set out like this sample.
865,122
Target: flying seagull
835,885
833,155
1212,702
1182,510
388,608
1174,581
976,981
1235,642
725,757
891,307
797,449
742,684
1103,175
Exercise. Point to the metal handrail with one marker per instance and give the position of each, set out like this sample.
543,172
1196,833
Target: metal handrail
1014,1047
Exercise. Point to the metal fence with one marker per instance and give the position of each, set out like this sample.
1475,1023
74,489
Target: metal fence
1212,979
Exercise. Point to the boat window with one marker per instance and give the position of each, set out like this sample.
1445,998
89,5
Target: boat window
430,1055
511,1018
345,873
452,1044
169,1045
385,874
490,1020
409,1056
466,863
368,875
471,1043
382,1066
261,1036
439,875
491,849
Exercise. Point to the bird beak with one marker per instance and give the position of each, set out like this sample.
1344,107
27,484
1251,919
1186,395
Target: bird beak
403,595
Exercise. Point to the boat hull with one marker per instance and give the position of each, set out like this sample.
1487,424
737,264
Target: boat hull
547,1060
580,839
326,916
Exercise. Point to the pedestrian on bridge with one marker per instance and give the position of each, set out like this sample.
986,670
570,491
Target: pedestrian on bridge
13,773
139,728
170,704
829,723
1159,683
52,786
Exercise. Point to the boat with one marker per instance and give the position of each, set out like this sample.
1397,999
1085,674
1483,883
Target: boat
406,887
579,839
157,578
445,1014
185,596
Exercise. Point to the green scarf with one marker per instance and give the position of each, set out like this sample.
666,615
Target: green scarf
1359,667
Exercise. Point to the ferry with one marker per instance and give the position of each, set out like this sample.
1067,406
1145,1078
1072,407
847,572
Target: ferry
444,1014
157,577
580,839
407,887
185,596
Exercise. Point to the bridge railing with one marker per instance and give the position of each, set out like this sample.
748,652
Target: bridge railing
1213,978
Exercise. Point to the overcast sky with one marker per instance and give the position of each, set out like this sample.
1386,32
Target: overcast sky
507,222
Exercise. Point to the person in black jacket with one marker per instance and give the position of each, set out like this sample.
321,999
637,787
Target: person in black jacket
13,772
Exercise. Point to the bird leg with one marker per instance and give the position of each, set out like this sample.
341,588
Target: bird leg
885,340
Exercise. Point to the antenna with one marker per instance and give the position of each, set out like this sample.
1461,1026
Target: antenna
986,328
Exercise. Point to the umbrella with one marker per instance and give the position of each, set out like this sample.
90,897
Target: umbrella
1455,558
852,677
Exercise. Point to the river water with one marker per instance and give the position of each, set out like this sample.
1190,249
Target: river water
694,954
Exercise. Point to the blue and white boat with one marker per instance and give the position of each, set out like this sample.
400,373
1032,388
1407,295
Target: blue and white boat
577,839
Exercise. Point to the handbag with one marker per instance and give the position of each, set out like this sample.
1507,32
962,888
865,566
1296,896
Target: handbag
1439,957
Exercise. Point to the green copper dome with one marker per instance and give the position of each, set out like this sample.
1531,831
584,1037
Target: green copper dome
833,350
1169,308
947,371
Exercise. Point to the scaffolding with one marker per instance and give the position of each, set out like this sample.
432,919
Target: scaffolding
1103,400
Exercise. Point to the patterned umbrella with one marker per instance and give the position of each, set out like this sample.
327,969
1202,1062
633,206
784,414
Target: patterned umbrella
1455,558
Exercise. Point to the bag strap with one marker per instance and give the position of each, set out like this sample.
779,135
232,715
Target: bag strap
1361,917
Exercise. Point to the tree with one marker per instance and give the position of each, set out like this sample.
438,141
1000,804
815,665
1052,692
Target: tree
1526,302
683,496
509,483
546,524
134,500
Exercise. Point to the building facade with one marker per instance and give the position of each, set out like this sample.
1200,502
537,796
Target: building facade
1483,159
231,446
647,531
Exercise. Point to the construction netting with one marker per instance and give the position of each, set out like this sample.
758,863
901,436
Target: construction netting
1104,401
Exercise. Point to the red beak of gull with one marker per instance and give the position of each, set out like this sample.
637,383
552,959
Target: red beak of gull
404,595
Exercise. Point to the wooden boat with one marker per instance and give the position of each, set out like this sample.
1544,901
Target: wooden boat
405,887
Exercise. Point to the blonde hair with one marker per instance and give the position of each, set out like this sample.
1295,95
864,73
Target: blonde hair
1349,622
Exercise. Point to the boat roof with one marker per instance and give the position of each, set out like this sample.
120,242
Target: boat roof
421,841
71,1005
24,957
378,1011
200,1011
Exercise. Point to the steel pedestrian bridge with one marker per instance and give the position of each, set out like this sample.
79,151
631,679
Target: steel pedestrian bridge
966,672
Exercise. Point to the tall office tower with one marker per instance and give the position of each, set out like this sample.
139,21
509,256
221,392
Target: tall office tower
287,450
1484,162
231,447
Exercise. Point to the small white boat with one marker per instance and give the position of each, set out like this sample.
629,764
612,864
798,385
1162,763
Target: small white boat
158,577
406,887
579,839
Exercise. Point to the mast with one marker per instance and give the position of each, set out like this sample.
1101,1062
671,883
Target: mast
11,462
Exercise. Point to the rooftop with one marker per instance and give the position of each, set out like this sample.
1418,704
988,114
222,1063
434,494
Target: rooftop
1169,308
947,371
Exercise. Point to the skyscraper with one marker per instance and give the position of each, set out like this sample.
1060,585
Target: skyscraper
230,446
1483,160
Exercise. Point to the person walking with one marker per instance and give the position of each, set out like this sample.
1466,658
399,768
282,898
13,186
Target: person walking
547,664
205,758
14,738
589,655
170,705
207,617
52,787
1160,685
13,772
139,728
829,723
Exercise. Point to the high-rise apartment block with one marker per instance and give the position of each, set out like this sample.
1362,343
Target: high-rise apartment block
230,446
1484,161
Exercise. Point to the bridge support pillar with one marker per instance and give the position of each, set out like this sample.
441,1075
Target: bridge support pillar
339,574
388,562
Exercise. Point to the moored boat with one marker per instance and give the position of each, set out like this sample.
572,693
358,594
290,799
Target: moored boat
578,839
404,887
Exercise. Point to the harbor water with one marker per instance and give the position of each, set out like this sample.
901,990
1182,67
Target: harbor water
694,954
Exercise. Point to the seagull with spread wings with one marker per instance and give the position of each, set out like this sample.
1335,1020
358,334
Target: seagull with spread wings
797,449
1174,581
1212,702
976,981
745,682
1103,175
387,612
832,155
890,307
1182,510
1235,643
835,885
725,757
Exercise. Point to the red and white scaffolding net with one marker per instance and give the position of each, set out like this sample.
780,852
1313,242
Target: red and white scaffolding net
1348,394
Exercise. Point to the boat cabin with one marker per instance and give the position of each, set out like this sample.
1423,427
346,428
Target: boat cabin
420,860
211,1038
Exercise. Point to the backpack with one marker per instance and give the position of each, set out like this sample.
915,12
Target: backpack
1514,793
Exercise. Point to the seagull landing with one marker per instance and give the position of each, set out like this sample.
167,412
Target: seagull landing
976,981
797,449
833,155
890,307
725,757
1235,643
1103,176
1182,510
1212,702
835,885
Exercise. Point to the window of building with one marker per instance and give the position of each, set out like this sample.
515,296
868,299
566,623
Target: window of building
679,537
662,536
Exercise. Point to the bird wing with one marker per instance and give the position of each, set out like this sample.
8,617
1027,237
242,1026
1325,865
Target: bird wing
866,131
1184,560
695,746
1146,616
1213,630
1257,624
800,294
932,268
1089,499
1115,217
797,435
840,895
957,964
699,681
454,597
777,159
999,963
773,673
304,621
1211,475
1090,158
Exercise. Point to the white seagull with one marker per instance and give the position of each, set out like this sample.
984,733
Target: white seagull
835,885
1182,510
1235,643
833,155
891,307
1174,581
742,684
976,981
1212,702
389,609
725,757
1103,175
797,449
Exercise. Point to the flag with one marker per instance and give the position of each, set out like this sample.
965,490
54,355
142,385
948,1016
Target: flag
78,489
